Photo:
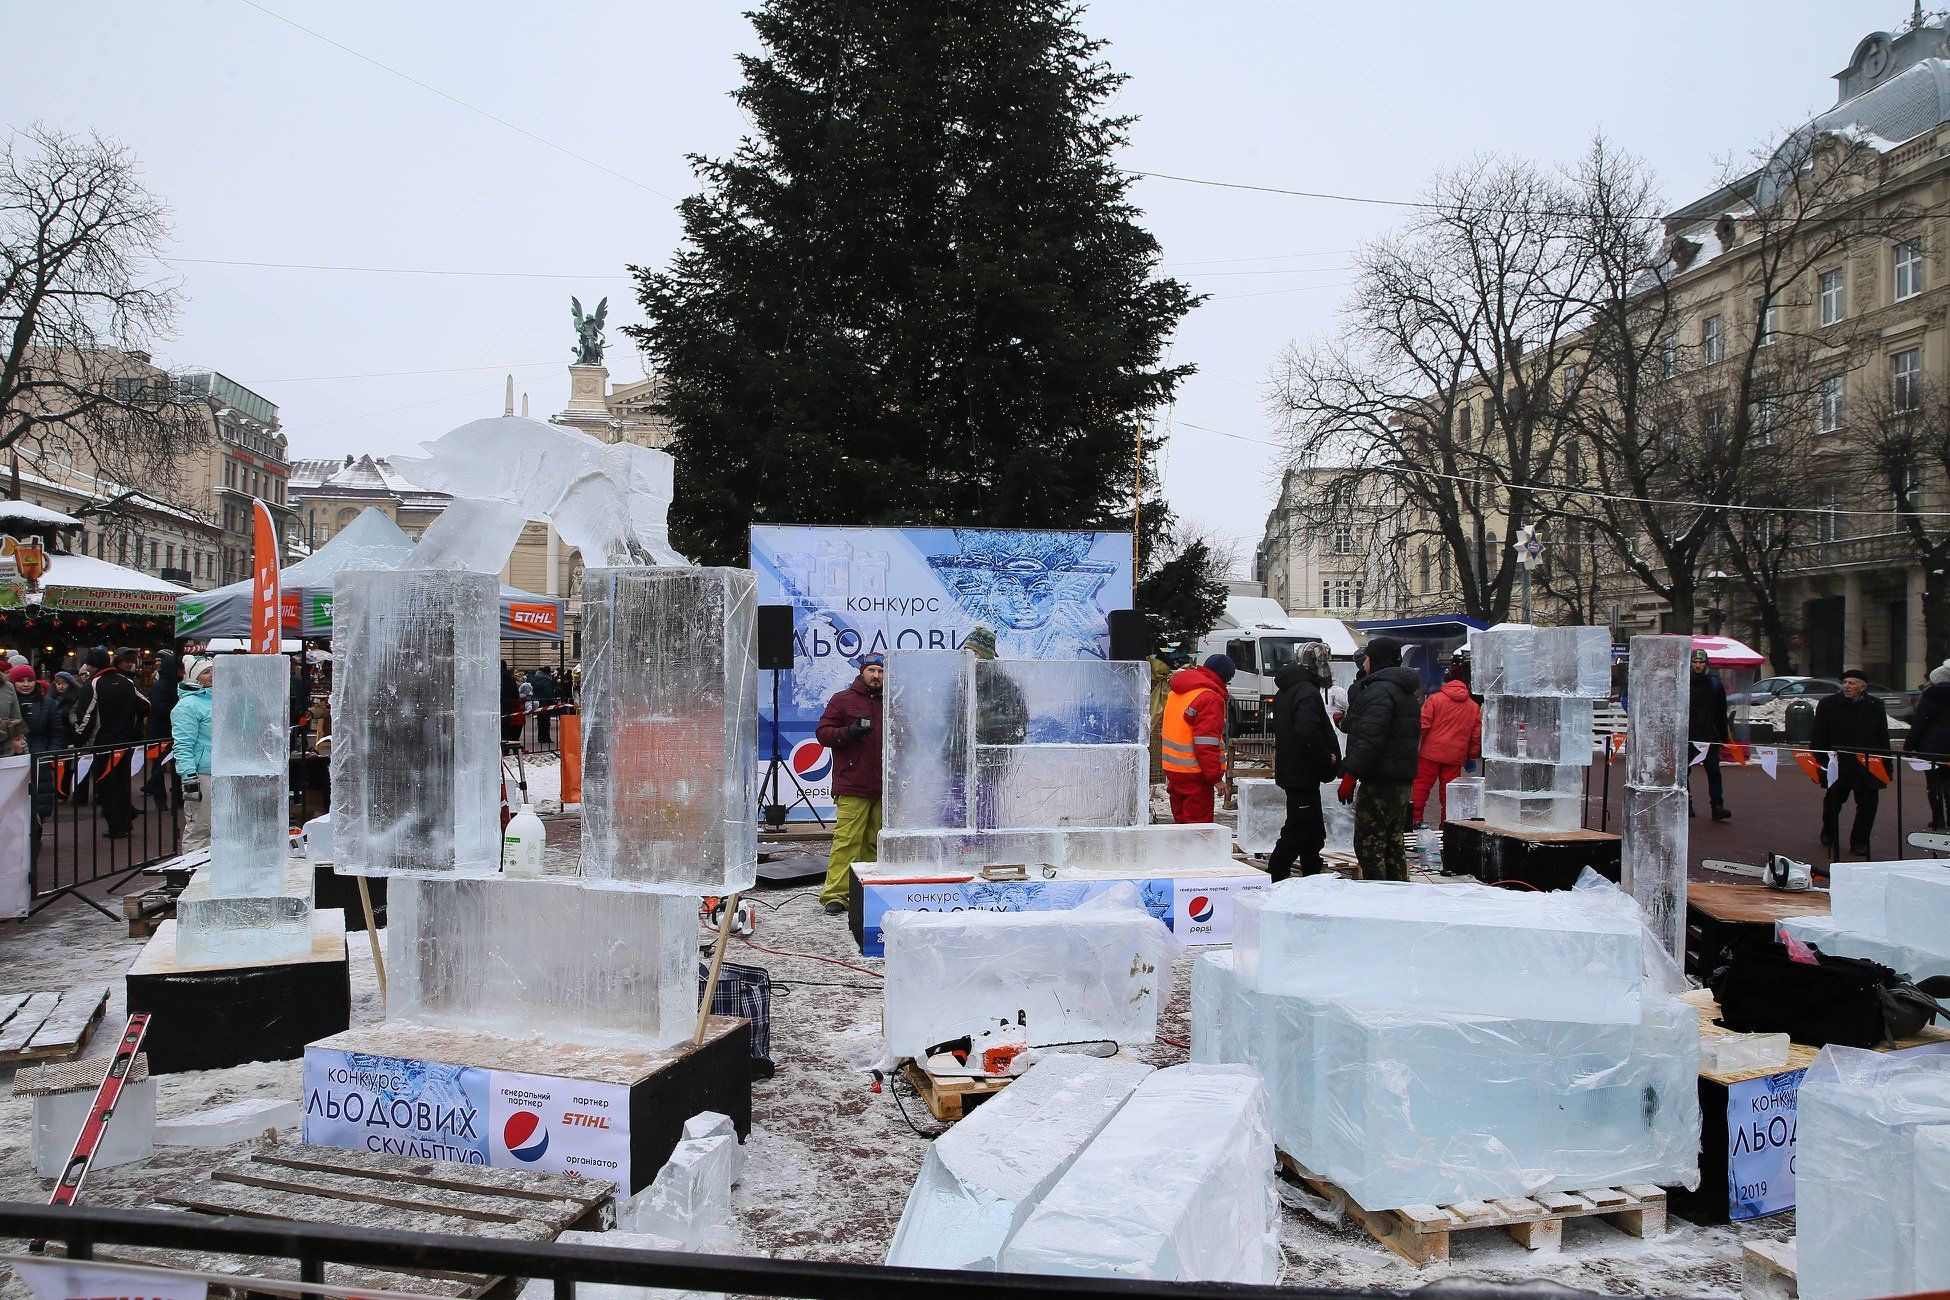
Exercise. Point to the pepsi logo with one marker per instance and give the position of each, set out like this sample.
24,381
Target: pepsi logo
811,761
1200,909
525,1136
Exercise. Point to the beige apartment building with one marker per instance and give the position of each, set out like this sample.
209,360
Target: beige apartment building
1877,316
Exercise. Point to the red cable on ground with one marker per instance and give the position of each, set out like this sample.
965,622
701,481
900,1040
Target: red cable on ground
811,956
1173,1042
1516,884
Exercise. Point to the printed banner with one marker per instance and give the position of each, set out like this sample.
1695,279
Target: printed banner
1196,908
1045,595
1760,1144
73,1279
429,1110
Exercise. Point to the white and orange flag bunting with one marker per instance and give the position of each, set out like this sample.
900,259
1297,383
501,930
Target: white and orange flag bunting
267,630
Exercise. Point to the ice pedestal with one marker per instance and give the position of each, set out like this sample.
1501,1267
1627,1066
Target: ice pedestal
669,718
1653,855
416,775
1657,751
272,923
1098,971
1141,1201
1262,812
928,753
1450,947
544,957
983,1176
1061,785
1869,1175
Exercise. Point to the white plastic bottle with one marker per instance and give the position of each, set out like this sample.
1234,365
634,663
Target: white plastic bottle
523,845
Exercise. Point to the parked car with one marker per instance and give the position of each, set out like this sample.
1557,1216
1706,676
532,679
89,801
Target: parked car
1763,706
1769,688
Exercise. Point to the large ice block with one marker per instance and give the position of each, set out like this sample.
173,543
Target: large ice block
1657,750
416,763
1062,702
1932,1193
1919,906
1061,785
250,785
669,730
1262,812
983,1176
1447,947
1533,812
1099,971
1653,855
1533,776
928,752
1465,798
545,957
1858,1213
1537,727
269,922
1573,662
1142,1201
968,850
1859,891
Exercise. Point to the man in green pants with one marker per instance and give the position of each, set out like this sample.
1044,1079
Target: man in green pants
850,727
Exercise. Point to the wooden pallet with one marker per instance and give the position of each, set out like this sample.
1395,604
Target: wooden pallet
288,1180
949,1098
147,910
49,1026
1420,1233
1767,1271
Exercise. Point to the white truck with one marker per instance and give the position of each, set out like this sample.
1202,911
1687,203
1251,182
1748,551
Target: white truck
1260,638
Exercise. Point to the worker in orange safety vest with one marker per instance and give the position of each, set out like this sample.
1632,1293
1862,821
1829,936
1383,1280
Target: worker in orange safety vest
1192,738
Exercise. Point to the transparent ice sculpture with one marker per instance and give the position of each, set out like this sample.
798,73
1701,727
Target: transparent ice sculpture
928,753
1563,661
1060,785
470,536
1062,702
669,717
1653,855
1466,798
1538,684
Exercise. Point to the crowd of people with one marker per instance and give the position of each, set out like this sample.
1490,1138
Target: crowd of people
536,696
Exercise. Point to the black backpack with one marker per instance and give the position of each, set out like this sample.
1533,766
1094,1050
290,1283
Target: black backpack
1848,1001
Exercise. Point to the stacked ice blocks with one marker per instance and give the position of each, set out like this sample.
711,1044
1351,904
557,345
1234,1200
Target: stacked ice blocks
1099,971
1896,913
1653,855
1538,684
1431,1044
669,716
251,904
983,1176
1872,1174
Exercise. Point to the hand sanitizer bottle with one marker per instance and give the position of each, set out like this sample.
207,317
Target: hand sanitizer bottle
523,845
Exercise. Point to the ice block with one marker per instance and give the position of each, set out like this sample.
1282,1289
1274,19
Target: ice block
928,753
1735,1053
1858,1213
967,850
669,730
1339,818
1859,891
1446,947
1919,906
1572,662
1537,727
983,1176
1657,750
1141,1201
1532,812
691,1194
1465,798
1533,776
1262,812
1092,849
546,957
416,763
1932,1193
250,786
1099,971
1654,851
1062,702
1061,785
270,923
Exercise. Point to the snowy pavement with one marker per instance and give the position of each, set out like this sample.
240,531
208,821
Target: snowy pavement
829,1161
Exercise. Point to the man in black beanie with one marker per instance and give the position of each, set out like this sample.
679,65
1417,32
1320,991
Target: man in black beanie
1384,736
1852,719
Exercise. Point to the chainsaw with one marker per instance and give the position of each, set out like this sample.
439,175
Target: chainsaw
1781,872
1000,1051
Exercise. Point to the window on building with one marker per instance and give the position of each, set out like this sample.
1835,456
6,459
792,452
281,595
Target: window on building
1326,594
1908,266
1343,592
1360,593
1712,424
1906,379
169,555
1442,566
152,555
1761,419
1342,540
1833,304
1828,418
1902,489
1711,346
1768,318
1466,410
1422,566
1828,523
1669,356
1764,532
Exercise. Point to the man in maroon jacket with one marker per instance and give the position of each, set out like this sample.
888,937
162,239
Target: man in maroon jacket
850,727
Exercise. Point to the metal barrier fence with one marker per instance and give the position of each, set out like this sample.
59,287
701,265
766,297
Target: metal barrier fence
314,1245
100,811
541,728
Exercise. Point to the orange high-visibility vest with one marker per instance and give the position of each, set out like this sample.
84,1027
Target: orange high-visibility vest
1175,739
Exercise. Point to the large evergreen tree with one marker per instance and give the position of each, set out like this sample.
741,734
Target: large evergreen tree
917,293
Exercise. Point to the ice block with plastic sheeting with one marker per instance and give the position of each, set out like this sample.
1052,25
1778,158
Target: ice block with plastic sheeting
928,754
669,729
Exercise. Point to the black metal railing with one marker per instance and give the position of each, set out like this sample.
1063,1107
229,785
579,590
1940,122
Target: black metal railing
314,1245
101,811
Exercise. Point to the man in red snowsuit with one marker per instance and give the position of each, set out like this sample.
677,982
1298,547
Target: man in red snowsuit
1452,735
1192,738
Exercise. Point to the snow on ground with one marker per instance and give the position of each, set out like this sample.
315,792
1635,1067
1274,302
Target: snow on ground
829,1161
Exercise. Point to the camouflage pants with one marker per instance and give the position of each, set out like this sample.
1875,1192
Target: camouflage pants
1380,813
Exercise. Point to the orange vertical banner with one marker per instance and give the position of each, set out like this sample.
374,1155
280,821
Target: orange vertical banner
568,733
267,632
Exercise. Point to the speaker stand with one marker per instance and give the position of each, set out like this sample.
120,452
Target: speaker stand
769,789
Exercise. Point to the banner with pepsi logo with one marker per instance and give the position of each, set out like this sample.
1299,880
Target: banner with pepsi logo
1045,594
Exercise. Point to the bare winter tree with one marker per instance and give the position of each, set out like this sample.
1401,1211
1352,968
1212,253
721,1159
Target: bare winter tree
1443,389
1906,440
78,312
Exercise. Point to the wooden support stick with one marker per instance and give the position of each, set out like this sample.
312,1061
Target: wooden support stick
372,937
717,964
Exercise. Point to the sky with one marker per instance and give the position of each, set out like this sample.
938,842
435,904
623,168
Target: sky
372,141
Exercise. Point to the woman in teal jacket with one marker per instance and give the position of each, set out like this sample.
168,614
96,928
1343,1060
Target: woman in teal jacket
189,725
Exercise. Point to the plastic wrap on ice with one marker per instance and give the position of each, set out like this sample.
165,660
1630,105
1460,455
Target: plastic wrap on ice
1097,971
543,957
669,718
982,1177
416,762
928,753
1143,1201
1871,1199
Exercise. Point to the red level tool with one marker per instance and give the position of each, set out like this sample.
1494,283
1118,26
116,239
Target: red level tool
67,1189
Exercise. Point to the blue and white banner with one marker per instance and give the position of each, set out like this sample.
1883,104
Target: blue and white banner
1198,909
1760,1144
855,591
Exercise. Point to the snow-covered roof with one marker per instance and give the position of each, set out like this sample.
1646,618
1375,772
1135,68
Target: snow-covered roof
356,476
87,571
36,514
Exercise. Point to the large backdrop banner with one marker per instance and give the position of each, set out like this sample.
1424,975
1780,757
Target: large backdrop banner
855,591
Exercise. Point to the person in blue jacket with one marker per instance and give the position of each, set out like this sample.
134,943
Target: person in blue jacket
189,726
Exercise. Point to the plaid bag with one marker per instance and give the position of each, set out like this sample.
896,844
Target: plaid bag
744,991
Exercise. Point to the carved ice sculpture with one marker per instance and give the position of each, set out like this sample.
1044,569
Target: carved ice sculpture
1538,684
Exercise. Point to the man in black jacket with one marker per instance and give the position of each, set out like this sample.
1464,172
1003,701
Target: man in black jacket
1851,720
1384,738
1306,753
1706,724
114,717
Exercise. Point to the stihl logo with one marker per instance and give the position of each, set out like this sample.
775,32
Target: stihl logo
575,1119
538,618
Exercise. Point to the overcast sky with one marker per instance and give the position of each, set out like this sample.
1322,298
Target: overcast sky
272,145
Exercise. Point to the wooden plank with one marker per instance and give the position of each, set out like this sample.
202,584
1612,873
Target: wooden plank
1520,1207
71,1021
264,1203
1469,1210
1605,1197
10,1003
1560,1202
1545,1236
1646,1191
481,1205
271,1268
438,1173
1646,1220
26,1020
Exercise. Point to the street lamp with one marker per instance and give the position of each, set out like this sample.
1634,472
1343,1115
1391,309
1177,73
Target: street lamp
1717,616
